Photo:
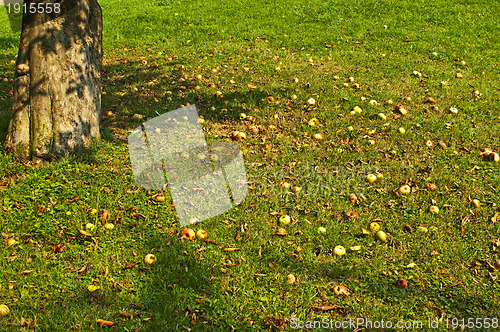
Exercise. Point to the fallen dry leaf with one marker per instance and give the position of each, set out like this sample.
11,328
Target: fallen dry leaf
495,216
232,249
327,308
58,247
127,314
84,233
129,266
106,323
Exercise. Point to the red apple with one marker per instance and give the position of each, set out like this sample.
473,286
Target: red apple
188,234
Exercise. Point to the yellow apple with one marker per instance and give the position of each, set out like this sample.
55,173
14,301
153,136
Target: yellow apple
339,251
371,178
405,189
149,259
201,234
382,236
374,226
4,310
285,219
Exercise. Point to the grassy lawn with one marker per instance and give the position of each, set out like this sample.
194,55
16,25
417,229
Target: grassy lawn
268,60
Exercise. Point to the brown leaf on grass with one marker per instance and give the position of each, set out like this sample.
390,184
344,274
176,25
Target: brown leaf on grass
278,322
84,269
232,249
327,308
58,247
246,237
106,323
85,233
26,272
238,237
127,314
495,216
116,287
136,329
129,266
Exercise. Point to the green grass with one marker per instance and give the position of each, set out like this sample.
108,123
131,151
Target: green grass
153,54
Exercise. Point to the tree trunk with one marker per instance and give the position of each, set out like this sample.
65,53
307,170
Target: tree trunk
57,90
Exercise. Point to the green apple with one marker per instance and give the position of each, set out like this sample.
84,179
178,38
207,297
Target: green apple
382,236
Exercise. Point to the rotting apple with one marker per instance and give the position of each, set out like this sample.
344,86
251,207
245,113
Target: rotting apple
201,234
401,283
433,209
405,189
290,279
149,259
188,234
431,186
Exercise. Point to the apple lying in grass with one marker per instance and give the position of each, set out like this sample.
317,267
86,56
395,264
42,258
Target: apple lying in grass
434,209
149,259
321,230
339,251
188,234
285,219
371,178
201,234
476,203
290,279
382,236
10,242
109,226
405,189
4,310
401,283
374,226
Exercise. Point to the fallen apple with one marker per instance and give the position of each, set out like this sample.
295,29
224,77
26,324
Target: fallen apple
382,116
339,251
401,283
241,135
371,178
318,136
433,209
495,157
321,230
431,100
4,310
350,128
160,198
428,143
405,189
380,176
10,242
357,109
341,290
149,259
373,102
312,122
90,227
297,189
352,215
353,198
453,110
365,232
243,116
431,186
280,232
109,226
193,221
285,219
382,236
290,279
188,234
476,203
402,130
374,226
311,101
201,234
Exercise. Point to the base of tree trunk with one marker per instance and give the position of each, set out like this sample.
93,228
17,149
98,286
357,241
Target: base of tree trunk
57,90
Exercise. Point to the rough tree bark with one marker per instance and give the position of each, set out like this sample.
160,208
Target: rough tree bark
57,90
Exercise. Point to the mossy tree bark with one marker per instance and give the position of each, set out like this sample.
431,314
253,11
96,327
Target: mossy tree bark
57,89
